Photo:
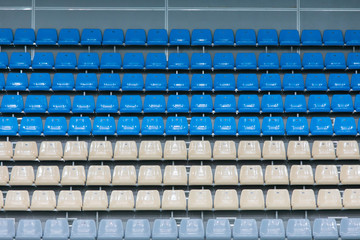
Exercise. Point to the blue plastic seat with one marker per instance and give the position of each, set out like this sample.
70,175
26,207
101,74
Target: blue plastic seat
179,37
164,229
2,82
273,126
104,126
46,36
59,104
247,82
179,82
191,229
245,37
316,82
357,103
311,38
201,61
83,229
63,82
133,61
298,229
313,61
297,126
335,61
200,126
179,61
267,37
154,104
201,103
293,82
155,82
35,104
43,60
157,37
12,104
352,37
224,61
88,61
132,82
224,82
20,60
83,104
135,37
272,104
224,37
225,126
342,103
29,229
246,61
31,126
201,37
24,36
65,60
110,229
91,37
113,37
69,36
268,61
350,228
272,229
289,37
8,127
4,60
130,104
245,229
319,103
55,126
86,82
79,126
339,82
249,126
218,229
270,82
333,38
290,61
16,82
152,126
176,126
201,82
225,104
178,104
107,104
156,61
40,82
325,229
249,103
110,61
109,82
295,103
353,60
7,229
6,36
321,126
128,126
56,229
345,126
137,229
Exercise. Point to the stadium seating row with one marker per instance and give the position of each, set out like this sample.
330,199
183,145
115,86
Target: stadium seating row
177,150
199,37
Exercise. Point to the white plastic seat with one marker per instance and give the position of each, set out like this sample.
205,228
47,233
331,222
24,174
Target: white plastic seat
150,150
26,151
226,175
73,175
303,199
17,200
4,175
347,150
350,174
301,175
175,150
69,200
125,150
276,175
351,199
200,200
50,151
124,175
6,151
149,175
326,175
323,150
226,199
252,199
329,199
47,175
298,150
95,200
173,200
249,150
98,175
22,175
200,175
101,150
274,150
76,150
43,201
148,200
278,199
199,150
251,175
224,150
121,200
175,175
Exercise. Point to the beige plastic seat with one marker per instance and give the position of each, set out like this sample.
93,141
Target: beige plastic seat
326,174
323,150
150,150
276,175
199,150
175,150
149,175
17,200
175,175
224,150
50,150
251,175
47,175
73,175
200,175
98,175
226,175
278,199
100,150
252,199
350,174
76,150
303,199
148,200
22,175
249,150
124,175
43,201
200,200
121,200
6,151
226,199
298,150
96,200
26,151
125,150
173,200
274,150
347,150
1,200
351,199
69,201
4,175
301,175
329,199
